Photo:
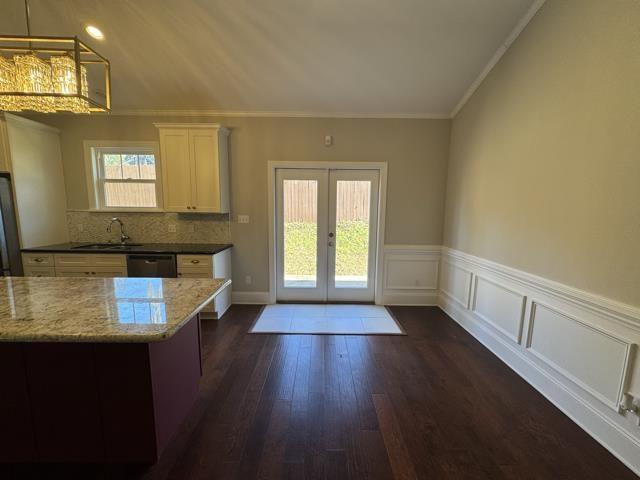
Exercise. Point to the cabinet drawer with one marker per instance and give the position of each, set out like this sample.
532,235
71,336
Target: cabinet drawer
195,273
91,271
73,272
39,271
109,260
90,260
108,272
200,261
37,259
72,260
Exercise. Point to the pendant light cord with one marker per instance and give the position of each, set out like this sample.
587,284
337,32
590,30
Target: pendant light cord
27,18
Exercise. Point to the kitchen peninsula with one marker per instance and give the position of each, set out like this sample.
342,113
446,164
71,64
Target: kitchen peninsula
97,369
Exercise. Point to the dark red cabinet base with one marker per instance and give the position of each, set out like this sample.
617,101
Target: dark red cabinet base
96,402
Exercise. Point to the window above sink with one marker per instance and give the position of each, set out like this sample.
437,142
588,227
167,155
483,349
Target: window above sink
123,176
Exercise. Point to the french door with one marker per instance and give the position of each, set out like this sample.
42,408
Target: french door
326,228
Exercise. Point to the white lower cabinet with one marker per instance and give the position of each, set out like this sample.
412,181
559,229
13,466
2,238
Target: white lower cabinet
74,265
209,266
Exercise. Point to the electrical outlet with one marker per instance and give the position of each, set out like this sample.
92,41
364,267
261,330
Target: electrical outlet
248,280
192,228
171,228
80,227
243,218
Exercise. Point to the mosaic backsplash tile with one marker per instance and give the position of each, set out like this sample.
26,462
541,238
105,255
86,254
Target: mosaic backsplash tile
149,227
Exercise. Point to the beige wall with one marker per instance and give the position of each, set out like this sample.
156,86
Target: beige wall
544,171
416,152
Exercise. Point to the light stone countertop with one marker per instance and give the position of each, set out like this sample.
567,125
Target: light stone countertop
104,310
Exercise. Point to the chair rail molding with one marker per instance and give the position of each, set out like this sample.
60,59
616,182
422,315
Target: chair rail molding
576,348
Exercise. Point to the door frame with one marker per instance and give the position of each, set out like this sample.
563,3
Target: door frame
381,167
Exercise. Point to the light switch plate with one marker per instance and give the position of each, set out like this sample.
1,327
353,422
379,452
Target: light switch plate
80,227
243,218
171,228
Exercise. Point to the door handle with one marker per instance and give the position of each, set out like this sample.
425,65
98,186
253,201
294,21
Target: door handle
330,234
331,244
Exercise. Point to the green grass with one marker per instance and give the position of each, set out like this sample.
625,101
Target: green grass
352,241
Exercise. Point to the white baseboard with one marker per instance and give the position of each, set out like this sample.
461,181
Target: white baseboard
250,298
573,347
405,298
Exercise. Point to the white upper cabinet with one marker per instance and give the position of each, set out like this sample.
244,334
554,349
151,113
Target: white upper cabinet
195,167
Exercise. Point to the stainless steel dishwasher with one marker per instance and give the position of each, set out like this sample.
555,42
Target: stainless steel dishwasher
154,265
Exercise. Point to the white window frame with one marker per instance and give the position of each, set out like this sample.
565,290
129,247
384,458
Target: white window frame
95,187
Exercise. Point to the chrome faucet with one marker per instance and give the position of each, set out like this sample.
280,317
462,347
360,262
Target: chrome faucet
123,236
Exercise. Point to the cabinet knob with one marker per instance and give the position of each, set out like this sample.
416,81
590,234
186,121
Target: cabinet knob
38,260
179,274
188,208
193,207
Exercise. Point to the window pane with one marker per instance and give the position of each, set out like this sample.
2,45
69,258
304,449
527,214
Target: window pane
112,165
300,210
118,194
352,233
147,167
130,167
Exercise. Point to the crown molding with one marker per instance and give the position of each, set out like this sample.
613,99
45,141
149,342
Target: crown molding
515,33
273,114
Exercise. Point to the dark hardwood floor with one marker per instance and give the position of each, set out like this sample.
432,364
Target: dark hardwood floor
434,404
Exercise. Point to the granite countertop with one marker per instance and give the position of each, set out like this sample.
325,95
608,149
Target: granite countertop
176,248
105,310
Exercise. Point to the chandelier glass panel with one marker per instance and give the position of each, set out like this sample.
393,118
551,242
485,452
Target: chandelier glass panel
50,74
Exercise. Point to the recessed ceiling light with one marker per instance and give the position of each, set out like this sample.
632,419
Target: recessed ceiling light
95,32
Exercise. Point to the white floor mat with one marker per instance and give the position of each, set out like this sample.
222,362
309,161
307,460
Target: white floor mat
326,319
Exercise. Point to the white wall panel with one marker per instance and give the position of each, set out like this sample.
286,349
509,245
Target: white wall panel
455,281
500,306
590,357
410,274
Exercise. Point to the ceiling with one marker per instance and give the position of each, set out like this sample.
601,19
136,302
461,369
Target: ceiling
362,57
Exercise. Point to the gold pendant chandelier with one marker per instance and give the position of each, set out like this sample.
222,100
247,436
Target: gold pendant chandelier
49,74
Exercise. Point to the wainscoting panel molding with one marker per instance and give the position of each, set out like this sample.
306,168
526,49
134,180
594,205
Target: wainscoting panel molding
578,349
499,306
410,274
455,282
593,359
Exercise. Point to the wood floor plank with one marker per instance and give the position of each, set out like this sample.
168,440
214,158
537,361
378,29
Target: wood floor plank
401,463
434,404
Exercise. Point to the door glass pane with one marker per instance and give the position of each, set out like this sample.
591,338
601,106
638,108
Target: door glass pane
300,215
353,200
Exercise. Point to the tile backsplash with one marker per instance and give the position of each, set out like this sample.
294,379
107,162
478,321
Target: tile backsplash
85,226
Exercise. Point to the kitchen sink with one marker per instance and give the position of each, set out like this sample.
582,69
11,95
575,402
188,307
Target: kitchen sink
107,246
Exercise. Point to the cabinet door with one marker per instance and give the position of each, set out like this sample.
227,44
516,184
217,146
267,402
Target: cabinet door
176,169
108,272
205,172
